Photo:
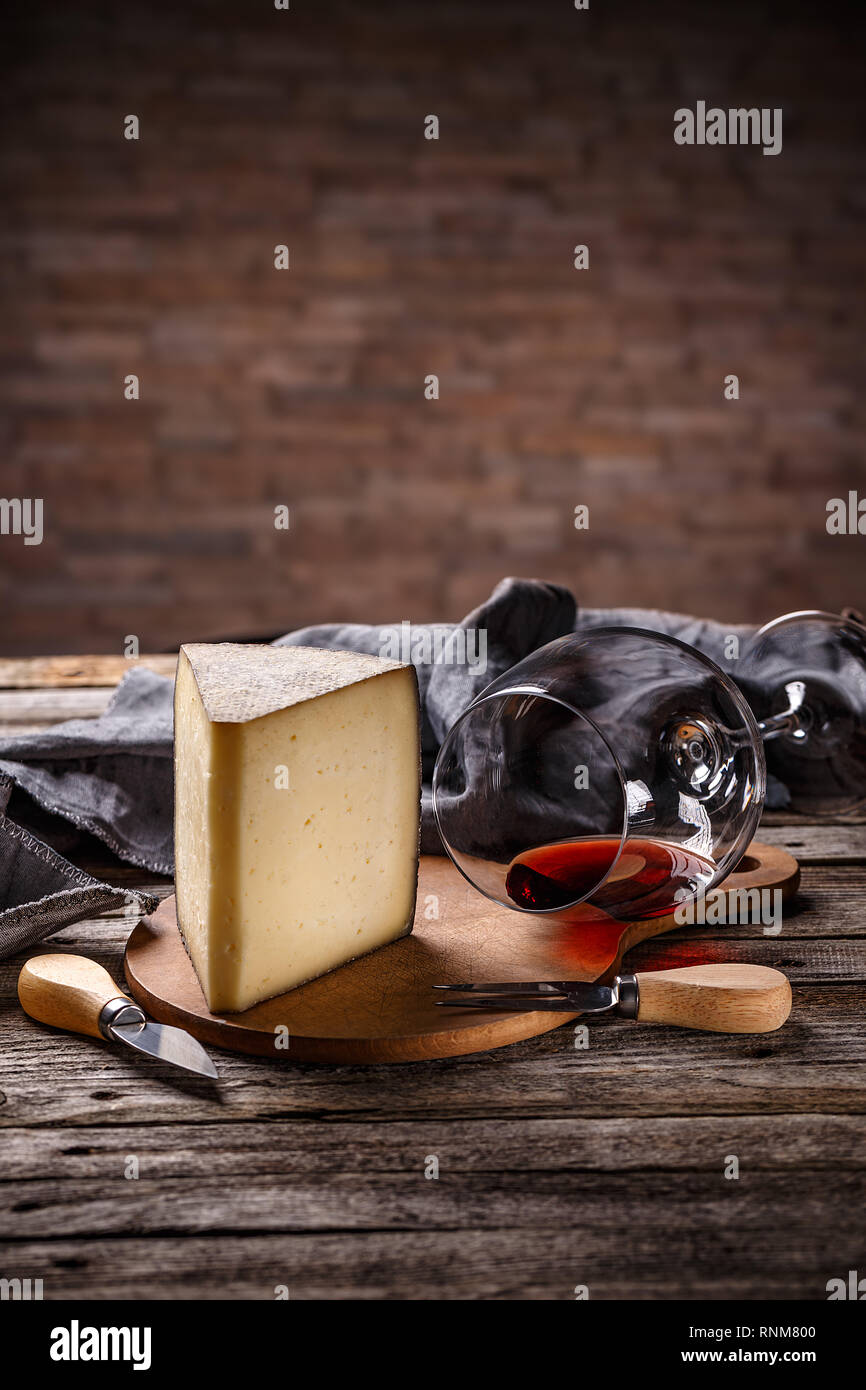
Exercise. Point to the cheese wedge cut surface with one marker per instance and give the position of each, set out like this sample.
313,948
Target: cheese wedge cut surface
297,805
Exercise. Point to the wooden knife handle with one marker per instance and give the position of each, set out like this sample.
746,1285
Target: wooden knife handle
66,991
717,998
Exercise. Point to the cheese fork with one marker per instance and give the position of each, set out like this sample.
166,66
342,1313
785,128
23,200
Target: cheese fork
724,998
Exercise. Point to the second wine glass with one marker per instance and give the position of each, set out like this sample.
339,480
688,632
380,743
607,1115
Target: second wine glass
805,678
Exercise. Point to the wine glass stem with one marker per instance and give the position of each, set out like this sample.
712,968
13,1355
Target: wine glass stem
778,724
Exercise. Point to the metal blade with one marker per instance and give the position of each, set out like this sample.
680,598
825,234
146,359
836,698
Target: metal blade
168,1044
581,998
510,1005
515,987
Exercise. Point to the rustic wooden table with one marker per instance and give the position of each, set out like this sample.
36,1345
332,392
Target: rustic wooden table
558,1167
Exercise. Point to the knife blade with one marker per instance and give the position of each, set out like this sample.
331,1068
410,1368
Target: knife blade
168,1044
72,992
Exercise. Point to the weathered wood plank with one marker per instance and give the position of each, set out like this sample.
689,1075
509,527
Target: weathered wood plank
826,844
803,960
15,728
40,707
729,1247
37,672
816,1063
356,1201
796,818
831,902
186,1152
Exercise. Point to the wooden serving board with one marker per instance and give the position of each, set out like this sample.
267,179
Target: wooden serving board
381,1008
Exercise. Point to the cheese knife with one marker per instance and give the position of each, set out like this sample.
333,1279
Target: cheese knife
75,993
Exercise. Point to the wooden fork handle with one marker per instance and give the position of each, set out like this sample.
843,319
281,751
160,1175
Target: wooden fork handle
717,998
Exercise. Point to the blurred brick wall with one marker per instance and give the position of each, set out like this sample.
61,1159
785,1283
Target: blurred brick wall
411,257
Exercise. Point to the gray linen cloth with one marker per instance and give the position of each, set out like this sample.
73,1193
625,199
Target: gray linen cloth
113,776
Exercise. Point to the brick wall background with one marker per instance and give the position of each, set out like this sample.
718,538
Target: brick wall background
411,257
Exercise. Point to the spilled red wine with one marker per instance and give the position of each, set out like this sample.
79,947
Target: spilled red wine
648,879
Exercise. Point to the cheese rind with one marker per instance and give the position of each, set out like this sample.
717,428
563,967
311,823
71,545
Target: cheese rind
297,791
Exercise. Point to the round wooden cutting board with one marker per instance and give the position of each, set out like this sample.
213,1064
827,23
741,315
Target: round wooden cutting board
381,1008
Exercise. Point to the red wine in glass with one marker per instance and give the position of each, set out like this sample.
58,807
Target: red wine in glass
648,880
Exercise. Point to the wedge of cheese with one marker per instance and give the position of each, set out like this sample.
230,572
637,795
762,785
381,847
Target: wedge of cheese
297,794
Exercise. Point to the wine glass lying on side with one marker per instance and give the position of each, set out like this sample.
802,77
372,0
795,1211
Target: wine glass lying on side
804,675
621,772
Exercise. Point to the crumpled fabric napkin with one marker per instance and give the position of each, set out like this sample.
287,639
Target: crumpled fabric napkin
113,776
40,891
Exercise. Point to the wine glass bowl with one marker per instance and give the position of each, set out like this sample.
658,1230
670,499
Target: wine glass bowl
510,779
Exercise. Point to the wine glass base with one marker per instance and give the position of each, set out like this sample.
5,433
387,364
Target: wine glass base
805,676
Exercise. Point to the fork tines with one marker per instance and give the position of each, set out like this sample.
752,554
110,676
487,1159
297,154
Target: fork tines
509,995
